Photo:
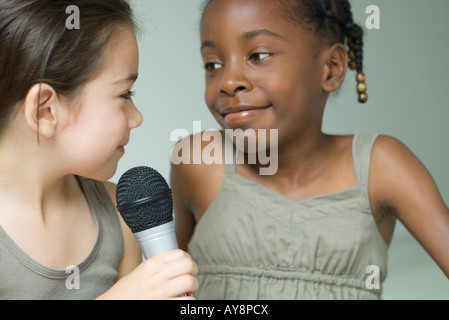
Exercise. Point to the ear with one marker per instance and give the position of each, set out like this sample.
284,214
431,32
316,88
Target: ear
41,107
335,67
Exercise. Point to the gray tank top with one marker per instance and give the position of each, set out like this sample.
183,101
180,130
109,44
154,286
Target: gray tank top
253,243
23,278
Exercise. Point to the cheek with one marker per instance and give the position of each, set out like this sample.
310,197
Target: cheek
210,95
210,84
295,85
98,130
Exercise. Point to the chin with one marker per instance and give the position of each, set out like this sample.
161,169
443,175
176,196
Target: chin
105,176
100,174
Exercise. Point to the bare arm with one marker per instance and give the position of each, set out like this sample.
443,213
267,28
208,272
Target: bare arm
194,188
184,217
401,186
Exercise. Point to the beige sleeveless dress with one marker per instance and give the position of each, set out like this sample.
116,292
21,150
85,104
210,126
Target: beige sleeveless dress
253,243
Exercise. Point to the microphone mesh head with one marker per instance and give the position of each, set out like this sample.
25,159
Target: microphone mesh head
139,183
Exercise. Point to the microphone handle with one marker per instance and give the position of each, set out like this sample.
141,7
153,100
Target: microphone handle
157,240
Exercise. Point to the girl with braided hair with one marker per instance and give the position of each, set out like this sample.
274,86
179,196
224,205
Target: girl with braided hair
321,225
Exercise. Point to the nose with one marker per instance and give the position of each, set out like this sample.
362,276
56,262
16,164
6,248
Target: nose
135,117
234,79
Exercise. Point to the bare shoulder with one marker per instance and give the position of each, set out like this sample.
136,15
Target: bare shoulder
391,147
401,178
397,174
393,161
197,179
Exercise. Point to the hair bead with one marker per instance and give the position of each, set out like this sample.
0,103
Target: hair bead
351,54
360,77
361,87
363,97
352,65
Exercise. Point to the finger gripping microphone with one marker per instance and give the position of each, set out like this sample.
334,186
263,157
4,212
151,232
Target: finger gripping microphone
145,203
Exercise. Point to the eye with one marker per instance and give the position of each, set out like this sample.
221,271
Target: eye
259,56
128,95
212,66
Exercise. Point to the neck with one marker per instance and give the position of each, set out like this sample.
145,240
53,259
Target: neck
304,154
31,179
299,159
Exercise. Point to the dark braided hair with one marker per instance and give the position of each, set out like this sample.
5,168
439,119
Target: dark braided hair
332,21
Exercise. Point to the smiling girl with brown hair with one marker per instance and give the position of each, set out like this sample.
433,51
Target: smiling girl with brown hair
66,115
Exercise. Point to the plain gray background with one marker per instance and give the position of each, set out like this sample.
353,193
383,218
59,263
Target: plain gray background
407,68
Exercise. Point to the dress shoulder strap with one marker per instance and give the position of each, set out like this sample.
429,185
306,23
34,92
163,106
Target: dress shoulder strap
361,152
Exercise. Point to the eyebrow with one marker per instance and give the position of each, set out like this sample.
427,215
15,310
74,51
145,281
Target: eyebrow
131,77
247,36
207,44
261,32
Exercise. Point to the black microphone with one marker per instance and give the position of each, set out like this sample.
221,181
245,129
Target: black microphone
145,203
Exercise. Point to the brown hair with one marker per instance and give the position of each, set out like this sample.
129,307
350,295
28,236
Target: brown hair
37,47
